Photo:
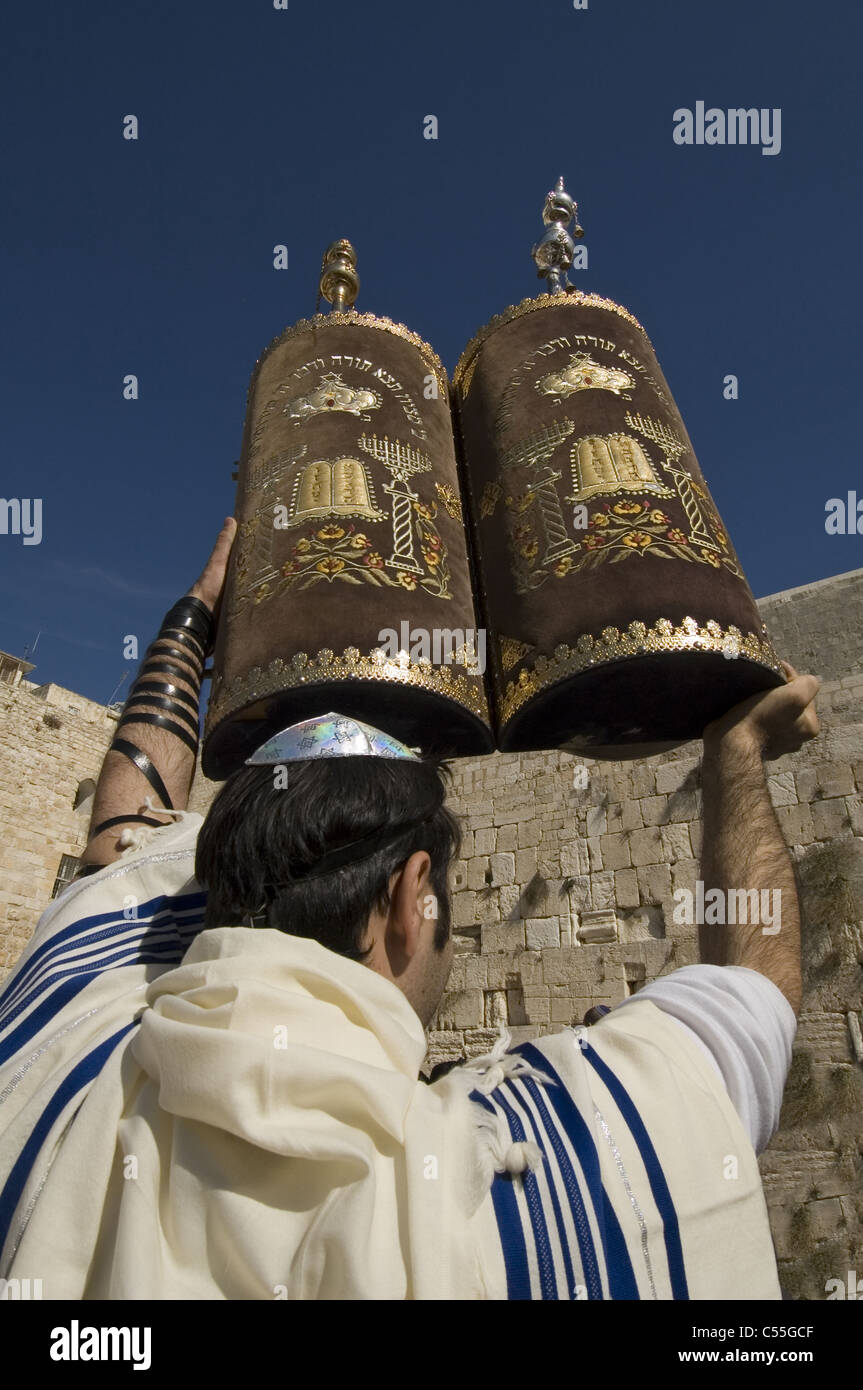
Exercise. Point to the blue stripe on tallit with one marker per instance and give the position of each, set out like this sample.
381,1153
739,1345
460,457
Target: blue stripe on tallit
576,1130
533,1197
553,1139
621,1276
86,1070
112,922
656,1177
509,1227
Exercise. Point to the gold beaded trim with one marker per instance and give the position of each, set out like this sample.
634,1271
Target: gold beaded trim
528,306
303,669
321,321
612,644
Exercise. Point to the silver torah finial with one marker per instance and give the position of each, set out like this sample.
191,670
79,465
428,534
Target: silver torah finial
553,254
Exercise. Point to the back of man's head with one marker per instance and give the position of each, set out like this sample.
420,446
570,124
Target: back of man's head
262,842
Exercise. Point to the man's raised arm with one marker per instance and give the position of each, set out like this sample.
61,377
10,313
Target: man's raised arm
154,749
743,850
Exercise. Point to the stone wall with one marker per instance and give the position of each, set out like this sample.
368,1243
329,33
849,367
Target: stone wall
51,741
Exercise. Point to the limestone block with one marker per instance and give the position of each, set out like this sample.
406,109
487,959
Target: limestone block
597,927
461,1009
597,822
654,883
670,777
484,840
653,809
537,1005
631,817
595,854
509,902
507,838
626,888
602,890
782,788
566,965
476,873
579,894
806,779
529,964
855,812
676,843
541,932
684,875
503,869
529,833
505,936
525,865
459,874
835,779
830,819
464,909
563,1011
642,778
574,858
615,851
684,805
645,846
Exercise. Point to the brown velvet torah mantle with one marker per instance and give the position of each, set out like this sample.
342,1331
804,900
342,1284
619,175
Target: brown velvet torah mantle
620,621
350,525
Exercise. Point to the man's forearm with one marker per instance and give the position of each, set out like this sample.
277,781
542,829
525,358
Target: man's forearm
744,851
154,749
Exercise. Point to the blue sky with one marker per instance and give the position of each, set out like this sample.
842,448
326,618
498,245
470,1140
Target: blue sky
260,126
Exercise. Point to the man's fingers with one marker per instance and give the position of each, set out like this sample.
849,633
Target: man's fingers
209,586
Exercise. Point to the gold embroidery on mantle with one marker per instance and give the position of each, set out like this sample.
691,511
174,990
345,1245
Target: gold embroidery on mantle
450,499
611,463
331,394
302,669
491,495
341,488
512,651
673,449
638,639
528,306
582,373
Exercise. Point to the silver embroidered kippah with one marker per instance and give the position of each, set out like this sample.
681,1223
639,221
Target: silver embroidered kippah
329,736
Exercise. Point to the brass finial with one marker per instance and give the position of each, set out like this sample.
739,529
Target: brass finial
553,254
339,282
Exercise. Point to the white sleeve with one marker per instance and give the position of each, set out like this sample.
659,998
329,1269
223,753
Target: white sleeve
746,1027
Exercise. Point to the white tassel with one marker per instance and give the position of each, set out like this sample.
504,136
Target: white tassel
131,840
499,1153
498,1065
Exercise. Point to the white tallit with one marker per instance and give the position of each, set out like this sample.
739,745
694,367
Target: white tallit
249,1124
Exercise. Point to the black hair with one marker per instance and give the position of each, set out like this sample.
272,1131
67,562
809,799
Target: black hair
260,838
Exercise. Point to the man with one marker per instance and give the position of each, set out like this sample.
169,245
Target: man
217,1096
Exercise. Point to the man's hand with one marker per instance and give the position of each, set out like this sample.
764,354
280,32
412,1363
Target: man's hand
777,722
209,587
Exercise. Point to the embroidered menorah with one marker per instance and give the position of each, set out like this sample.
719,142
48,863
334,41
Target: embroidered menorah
403,461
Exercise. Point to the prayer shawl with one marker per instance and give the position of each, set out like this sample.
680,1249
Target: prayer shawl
237,1114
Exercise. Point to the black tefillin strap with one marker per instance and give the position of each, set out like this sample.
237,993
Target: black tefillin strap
186,634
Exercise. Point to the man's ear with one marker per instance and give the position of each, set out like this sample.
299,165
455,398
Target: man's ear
408,890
